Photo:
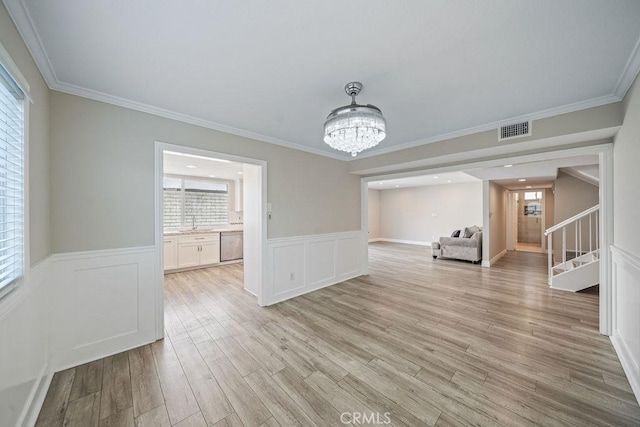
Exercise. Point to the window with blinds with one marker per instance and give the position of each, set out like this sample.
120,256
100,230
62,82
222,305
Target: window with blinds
11,182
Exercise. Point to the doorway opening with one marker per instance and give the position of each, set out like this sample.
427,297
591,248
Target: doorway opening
210,213
496,170
527,220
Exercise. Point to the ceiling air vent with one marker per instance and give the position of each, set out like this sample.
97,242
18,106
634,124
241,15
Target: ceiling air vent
516,130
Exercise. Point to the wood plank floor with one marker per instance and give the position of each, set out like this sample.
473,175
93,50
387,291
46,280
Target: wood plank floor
426,342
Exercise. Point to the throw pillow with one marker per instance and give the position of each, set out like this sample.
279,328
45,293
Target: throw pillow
455,233
470,231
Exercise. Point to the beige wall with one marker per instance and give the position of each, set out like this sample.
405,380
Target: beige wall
497,219
591,119
549,209
407,213
39,189
626,154
374,214
572,196
103,177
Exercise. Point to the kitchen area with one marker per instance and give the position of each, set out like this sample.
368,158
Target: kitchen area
202,212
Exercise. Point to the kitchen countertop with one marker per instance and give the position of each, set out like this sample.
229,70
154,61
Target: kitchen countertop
201,231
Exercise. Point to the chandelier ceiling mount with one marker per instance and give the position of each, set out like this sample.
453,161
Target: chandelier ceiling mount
354,127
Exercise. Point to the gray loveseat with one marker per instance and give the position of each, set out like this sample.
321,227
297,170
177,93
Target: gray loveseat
467,247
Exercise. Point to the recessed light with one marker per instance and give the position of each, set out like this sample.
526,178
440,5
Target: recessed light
192,166
381,183
508,166
522,180
436,177
197,157
397,186
528,186
449,180
212,176
239,173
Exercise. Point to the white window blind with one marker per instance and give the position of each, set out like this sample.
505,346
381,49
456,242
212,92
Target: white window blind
11,182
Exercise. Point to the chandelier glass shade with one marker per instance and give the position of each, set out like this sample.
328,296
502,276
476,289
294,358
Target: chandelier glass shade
354,128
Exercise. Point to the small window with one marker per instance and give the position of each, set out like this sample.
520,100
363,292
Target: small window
189,202
11,182
533,195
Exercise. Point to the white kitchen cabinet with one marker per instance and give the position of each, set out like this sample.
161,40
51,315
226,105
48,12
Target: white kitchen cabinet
170,252
188,255
210,252
198,249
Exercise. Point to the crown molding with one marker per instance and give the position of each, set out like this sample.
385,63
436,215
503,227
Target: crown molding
570,108
629,73
24,23
581,176
185,118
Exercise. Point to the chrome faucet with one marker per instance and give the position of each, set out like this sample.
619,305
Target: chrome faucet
193,223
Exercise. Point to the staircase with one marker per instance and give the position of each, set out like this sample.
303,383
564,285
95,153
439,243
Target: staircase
578,267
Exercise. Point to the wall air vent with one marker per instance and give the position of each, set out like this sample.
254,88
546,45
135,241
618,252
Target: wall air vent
516,130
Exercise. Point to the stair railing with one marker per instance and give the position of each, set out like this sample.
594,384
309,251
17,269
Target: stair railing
590,215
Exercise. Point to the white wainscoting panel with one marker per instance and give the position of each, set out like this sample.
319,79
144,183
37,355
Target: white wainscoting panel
347,255
104,303
626,314
25,370
323,268
288,268
302,264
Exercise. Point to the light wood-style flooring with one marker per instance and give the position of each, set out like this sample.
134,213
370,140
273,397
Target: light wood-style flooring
428,342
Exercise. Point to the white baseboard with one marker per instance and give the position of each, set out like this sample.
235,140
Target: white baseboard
494,259
35,404
406,242
313,289
628,365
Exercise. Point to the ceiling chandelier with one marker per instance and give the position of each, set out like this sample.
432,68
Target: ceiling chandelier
354,128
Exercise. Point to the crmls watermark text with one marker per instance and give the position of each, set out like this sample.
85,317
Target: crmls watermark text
365,418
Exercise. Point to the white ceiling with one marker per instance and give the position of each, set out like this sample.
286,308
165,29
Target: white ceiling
181,164
422,181
274,71
511,176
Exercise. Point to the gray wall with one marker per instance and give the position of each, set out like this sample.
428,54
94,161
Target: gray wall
572,196
626,156
102,177
374,214
497,219
39,189
407,213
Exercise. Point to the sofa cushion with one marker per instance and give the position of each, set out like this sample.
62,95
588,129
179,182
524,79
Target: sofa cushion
454,241
470,231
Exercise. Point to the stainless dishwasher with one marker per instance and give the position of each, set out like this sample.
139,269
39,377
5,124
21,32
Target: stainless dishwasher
230,245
